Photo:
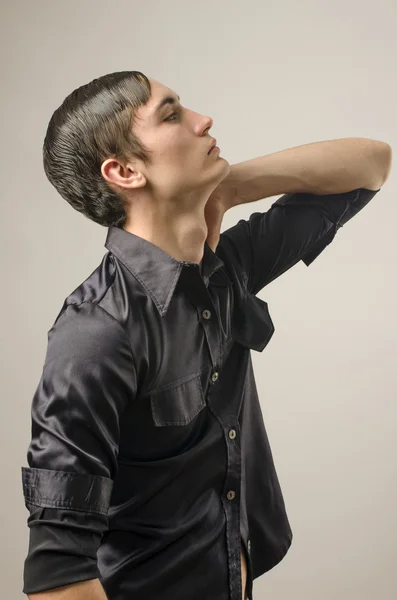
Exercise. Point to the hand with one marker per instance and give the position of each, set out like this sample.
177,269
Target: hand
221,199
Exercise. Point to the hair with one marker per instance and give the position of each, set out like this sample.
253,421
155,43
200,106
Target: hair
92,124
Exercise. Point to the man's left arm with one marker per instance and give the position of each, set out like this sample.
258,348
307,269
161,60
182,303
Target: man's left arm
324,185
326,167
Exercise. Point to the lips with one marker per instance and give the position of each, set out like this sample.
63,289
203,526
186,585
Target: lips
213,143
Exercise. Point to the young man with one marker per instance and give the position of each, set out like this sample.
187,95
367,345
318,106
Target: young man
150,472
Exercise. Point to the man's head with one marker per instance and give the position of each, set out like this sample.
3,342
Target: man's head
111,153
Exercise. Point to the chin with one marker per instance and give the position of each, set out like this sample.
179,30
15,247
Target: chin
226,166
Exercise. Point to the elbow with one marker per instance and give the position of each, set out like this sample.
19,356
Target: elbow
387,161
382,164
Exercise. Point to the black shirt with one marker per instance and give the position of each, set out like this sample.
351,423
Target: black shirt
149,462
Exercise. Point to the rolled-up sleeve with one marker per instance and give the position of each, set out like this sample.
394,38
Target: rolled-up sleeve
87,382
296,227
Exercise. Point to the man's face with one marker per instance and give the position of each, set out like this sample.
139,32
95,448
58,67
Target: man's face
179,140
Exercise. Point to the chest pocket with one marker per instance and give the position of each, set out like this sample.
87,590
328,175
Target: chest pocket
177,403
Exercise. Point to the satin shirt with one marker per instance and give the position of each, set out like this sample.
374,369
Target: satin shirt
149,462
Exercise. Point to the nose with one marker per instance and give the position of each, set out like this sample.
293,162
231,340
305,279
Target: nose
208,124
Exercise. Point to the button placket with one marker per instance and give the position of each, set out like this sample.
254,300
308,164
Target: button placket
231,497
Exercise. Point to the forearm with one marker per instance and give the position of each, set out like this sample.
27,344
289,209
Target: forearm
327,167
83,590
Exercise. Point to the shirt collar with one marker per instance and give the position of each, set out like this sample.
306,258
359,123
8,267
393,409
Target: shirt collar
155,269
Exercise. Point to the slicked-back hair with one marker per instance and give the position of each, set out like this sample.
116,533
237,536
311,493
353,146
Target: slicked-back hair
94,123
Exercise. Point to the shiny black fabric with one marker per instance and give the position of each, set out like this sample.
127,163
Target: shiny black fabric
149,463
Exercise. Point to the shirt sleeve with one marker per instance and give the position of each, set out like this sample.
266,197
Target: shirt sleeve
296,227
87,381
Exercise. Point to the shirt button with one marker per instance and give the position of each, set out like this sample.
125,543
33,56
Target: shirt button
230,495
206,314
232,434
249,545
214,376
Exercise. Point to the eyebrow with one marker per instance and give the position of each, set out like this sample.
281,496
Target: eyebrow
164,102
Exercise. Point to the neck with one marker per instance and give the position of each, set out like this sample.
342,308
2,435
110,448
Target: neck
179,234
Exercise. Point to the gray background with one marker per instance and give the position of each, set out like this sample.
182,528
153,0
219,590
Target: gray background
272,75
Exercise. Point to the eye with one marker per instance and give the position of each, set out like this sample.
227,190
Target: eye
169,118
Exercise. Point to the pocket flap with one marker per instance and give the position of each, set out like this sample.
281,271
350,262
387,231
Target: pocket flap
178,402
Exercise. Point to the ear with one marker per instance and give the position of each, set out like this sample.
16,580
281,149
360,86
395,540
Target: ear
127,177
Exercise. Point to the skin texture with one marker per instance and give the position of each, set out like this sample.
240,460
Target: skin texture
167,199
90,589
